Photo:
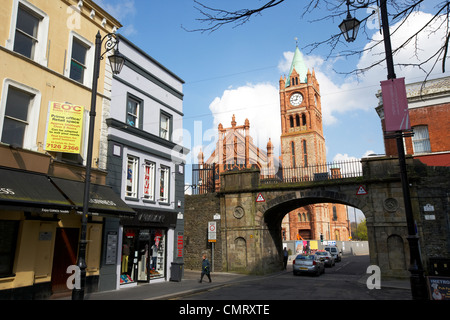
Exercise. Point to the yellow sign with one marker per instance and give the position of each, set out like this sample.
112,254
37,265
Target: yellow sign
64,128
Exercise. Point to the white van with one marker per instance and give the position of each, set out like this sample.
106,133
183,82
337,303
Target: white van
335,252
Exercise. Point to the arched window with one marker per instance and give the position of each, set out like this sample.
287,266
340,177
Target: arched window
291,121
297,120
303,119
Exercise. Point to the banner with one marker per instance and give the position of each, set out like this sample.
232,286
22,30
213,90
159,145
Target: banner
395,105
64,128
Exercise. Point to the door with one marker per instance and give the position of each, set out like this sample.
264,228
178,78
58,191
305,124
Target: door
66,249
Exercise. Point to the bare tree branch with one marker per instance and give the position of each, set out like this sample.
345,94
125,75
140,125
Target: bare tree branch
401,10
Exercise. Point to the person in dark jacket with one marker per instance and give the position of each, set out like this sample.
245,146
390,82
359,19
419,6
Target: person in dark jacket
206,268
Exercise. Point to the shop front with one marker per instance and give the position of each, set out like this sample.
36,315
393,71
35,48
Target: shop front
144,255
40,228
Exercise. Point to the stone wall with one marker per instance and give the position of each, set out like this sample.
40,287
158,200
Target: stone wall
199,210
433,185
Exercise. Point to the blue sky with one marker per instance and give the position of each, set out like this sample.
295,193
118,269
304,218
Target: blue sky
236,69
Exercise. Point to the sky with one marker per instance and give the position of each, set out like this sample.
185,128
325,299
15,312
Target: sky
236,69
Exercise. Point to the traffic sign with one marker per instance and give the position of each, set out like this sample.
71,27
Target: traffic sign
212,231
361,191
260,198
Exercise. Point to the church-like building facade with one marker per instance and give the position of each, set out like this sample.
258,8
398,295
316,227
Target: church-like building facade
302,146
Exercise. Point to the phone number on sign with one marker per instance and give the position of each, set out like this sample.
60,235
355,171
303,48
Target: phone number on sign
62,147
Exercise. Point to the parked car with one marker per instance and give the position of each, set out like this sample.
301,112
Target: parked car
328,259
308,263
335,252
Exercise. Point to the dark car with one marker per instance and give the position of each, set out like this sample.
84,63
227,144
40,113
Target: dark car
328,259
308,263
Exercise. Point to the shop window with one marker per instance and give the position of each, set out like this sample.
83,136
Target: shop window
149,180
143,255
132,177
164,184
8,239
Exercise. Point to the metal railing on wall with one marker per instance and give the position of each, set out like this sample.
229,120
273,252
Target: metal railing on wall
205,177
319,172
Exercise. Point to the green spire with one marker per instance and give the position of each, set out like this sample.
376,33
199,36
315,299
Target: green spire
299,65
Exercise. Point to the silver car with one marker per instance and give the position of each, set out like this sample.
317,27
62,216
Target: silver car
328,259
308,263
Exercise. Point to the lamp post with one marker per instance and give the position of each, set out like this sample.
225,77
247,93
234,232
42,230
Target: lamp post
117,61
417,279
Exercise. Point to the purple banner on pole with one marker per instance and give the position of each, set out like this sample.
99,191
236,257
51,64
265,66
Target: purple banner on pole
395,105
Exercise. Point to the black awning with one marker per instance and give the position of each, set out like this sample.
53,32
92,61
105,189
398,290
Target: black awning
103,200
30,191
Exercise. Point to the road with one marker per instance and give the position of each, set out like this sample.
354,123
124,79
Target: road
345,281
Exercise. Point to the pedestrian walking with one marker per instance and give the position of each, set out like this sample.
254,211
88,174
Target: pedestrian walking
206,268
285,257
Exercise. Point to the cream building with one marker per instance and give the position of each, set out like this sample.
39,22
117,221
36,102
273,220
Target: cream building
46,56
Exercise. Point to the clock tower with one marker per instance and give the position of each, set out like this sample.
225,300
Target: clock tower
302,141
303,145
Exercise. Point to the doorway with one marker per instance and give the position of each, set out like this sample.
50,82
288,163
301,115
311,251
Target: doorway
66,251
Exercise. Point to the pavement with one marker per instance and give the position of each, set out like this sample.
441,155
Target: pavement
189,284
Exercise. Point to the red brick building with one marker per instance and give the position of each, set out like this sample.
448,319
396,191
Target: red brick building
429,112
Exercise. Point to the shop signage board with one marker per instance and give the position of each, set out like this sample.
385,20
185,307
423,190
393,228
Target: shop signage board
64,128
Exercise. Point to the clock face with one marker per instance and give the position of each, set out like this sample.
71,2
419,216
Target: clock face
296,99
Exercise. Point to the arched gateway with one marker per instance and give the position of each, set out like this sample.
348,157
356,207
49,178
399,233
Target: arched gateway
249,237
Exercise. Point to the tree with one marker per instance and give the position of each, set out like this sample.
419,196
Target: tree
361,231
399,11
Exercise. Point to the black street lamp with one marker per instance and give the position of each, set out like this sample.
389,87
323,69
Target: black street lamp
117,61
418,284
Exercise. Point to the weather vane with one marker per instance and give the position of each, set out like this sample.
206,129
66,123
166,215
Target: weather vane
296,41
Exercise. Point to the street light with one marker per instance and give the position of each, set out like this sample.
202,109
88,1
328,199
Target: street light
350,26
117,61
417,279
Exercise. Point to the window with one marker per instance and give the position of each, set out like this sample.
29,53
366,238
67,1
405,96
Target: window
303,119
291,121
165,126
149,181
164,184
26,32
78,61
293,153
8,238
421,140
334,213
305,154
132,177
16,116
133,108
297,120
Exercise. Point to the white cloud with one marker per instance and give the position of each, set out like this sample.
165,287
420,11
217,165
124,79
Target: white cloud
121,10
259,103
